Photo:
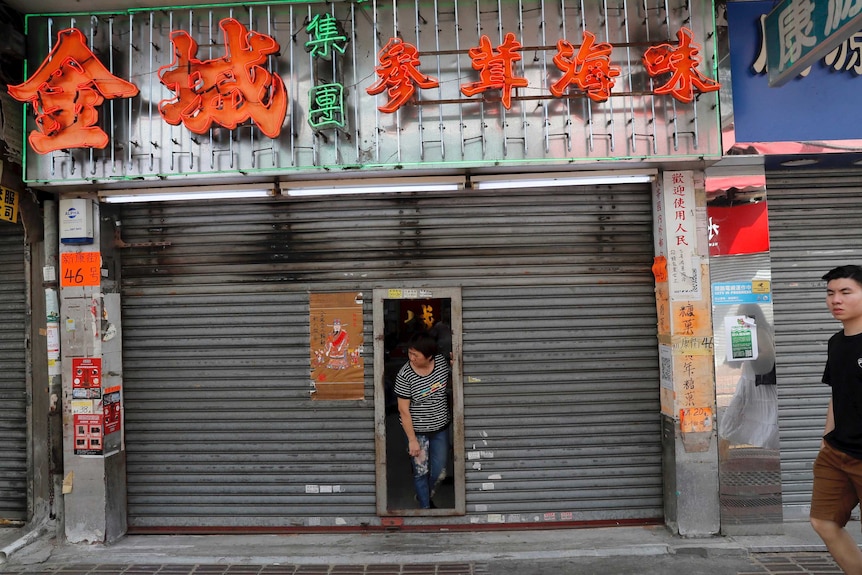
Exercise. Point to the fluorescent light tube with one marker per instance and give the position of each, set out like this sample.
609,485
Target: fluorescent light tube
556,180
381,186
182,194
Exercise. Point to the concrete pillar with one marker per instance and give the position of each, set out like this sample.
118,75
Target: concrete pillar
94,460
690,454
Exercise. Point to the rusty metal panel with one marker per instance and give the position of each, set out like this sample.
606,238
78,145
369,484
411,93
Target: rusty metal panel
439,127
13,375
561,384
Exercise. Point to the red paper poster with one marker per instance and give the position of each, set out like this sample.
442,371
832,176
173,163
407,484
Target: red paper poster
337,366
112,410
86,377
80,269
88,434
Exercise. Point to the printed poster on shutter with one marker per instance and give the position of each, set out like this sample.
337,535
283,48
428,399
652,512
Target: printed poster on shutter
337,366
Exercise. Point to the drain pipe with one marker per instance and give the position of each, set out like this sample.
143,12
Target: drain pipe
28,538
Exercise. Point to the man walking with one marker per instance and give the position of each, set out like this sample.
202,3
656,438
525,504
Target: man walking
838,467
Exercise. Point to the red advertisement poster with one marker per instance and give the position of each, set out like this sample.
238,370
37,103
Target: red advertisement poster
88,434
86,377
112,410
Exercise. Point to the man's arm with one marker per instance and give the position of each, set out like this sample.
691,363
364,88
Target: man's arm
830,421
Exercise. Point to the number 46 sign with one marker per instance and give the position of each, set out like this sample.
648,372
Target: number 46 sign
80,269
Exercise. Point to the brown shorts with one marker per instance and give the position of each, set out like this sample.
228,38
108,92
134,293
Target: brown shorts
837,485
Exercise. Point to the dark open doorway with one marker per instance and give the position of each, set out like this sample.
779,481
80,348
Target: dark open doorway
398,314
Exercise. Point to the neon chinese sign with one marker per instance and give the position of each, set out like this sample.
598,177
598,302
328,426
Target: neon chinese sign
589,69
65,92
298,73
225,91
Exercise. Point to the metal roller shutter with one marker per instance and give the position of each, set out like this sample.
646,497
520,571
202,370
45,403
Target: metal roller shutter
561,400
814,226
13,374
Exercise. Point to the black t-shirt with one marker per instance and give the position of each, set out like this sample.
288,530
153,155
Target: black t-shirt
844,373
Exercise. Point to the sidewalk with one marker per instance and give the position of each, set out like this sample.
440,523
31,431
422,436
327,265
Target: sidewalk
382,553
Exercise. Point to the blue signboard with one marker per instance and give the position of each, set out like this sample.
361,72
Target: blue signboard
820,106
798,32
724,293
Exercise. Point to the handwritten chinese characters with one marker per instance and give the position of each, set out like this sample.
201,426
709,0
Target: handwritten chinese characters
65,92
226,91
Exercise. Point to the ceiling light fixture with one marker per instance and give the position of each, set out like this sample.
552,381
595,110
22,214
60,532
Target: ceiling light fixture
373,186
186,193
501,182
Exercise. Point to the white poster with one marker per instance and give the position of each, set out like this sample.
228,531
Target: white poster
740,332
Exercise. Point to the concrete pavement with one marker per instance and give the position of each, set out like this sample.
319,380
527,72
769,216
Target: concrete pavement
605,551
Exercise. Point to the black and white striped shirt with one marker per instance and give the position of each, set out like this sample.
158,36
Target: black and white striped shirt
429,406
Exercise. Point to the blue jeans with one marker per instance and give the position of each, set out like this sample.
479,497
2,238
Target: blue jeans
429,467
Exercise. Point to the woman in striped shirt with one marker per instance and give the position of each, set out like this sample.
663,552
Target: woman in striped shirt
424,413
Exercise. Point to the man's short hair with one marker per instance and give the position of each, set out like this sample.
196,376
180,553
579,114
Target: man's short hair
852,272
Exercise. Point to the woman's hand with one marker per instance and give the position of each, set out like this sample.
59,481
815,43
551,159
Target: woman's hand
413,447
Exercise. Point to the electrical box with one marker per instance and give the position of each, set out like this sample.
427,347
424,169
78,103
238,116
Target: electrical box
76,221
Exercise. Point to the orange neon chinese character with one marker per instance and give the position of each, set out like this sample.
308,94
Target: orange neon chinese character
682,61
228,90
64,93
399,74
495,67
590,69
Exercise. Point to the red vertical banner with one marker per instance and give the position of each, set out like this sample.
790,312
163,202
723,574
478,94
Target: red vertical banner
112,410
337,366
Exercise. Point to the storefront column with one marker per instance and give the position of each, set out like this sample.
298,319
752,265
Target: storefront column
690,454
94,462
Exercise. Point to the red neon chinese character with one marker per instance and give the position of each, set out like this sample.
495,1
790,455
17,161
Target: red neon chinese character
64,93
399,74
682,61
590,69
228,90
495,67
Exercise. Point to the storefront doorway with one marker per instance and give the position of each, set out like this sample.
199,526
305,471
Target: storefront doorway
398,315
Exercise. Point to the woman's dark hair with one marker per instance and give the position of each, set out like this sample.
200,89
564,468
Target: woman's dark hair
852,272
423,343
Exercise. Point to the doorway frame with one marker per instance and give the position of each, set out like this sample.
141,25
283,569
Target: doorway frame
380,464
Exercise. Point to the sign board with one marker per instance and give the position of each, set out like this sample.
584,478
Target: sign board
799,32
827,94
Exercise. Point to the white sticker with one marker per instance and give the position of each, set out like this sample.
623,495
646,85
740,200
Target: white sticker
487,487
312,489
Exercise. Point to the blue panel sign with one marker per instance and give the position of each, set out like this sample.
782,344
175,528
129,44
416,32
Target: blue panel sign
799,32
724,293
820,106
